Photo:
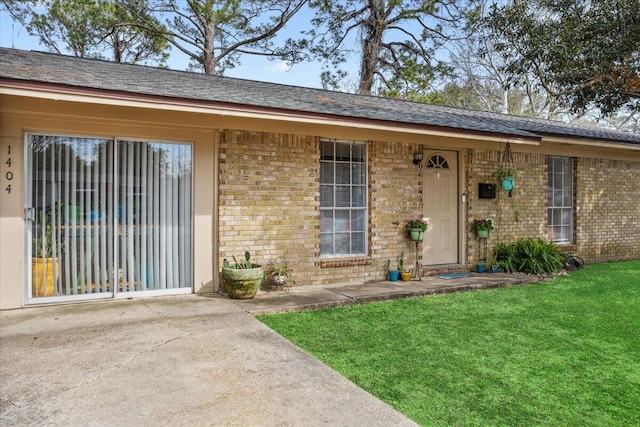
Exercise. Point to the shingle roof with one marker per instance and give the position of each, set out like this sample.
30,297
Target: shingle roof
55,69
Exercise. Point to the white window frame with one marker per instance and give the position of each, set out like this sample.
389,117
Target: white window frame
560,199
333,231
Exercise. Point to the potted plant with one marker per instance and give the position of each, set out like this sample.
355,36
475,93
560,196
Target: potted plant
242,280
44,266
494,267
280,272
416,229
393,274
480,267
482,227
506,177
405,274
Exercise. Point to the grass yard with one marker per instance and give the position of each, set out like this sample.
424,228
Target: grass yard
566,352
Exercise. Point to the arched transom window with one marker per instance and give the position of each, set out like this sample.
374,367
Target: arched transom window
437,162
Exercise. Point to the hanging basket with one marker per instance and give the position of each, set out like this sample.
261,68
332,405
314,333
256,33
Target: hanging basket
508,183
507,171
416,234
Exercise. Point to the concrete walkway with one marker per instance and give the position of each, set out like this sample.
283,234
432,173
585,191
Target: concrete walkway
187,361
322,296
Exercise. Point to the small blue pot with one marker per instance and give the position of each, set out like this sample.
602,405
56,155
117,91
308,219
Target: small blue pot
480,268
394,275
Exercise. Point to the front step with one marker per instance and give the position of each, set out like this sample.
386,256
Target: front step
433,270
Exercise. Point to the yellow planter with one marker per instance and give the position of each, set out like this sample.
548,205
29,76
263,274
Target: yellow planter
43,267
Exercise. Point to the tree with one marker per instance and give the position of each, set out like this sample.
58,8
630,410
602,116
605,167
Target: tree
398,40
89,28
213,33
583,52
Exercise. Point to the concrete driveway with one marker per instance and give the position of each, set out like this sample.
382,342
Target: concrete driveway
179,361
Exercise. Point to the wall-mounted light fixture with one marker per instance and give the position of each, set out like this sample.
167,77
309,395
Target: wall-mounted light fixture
417,159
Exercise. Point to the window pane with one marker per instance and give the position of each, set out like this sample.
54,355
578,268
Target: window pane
357,243
326,221
343,173
358,195
326,150
342,221
326,196
357,176
358,221
326,243
358,153
343,152
342,244
343,196
326,173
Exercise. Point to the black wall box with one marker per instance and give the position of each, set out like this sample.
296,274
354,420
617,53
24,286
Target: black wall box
486,191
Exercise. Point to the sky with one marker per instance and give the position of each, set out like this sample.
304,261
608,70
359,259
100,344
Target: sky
14,35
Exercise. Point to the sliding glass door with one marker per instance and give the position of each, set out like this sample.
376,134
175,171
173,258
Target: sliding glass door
107,216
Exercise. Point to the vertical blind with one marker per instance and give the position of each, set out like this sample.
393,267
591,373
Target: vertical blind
109,212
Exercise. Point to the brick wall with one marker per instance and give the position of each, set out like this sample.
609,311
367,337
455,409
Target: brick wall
269,205
607,217
268,197
523,214
607,205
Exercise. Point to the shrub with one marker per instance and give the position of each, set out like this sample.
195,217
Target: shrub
533,256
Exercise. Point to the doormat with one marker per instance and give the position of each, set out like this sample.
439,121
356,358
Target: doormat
452,275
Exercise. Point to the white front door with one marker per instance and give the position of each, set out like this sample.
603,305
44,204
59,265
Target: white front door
440,207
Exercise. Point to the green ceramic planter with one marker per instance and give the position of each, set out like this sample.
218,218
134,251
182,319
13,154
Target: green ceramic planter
416,234
242,283
483,234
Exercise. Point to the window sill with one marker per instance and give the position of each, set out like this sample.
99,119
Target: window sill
343,262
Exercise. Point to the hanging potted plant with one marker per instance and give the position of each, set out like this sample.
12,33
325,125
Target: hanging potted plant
506,177
416,229
242,280
482,227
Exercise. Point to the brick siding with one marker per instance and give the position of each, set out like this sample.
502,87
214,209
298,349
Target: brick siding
269,204
607,217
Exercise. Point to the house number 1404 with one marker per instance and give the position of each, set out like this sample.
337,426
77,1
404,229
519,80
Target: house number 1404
9,174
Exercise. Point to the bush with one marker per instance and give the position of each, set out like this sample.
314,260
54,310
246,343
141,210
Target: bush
533,256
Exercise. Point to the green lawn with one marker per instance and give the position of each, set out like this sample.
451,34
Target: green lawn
565,352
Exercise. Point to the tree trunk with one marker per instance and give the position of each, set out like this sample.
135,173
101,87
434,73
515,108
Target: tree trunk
373,30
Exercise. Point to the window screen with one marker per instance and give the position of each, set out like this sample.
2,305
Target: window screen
560,199
343,198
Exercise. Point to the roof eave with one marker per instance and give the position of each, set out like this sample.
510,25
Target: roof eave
128,99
